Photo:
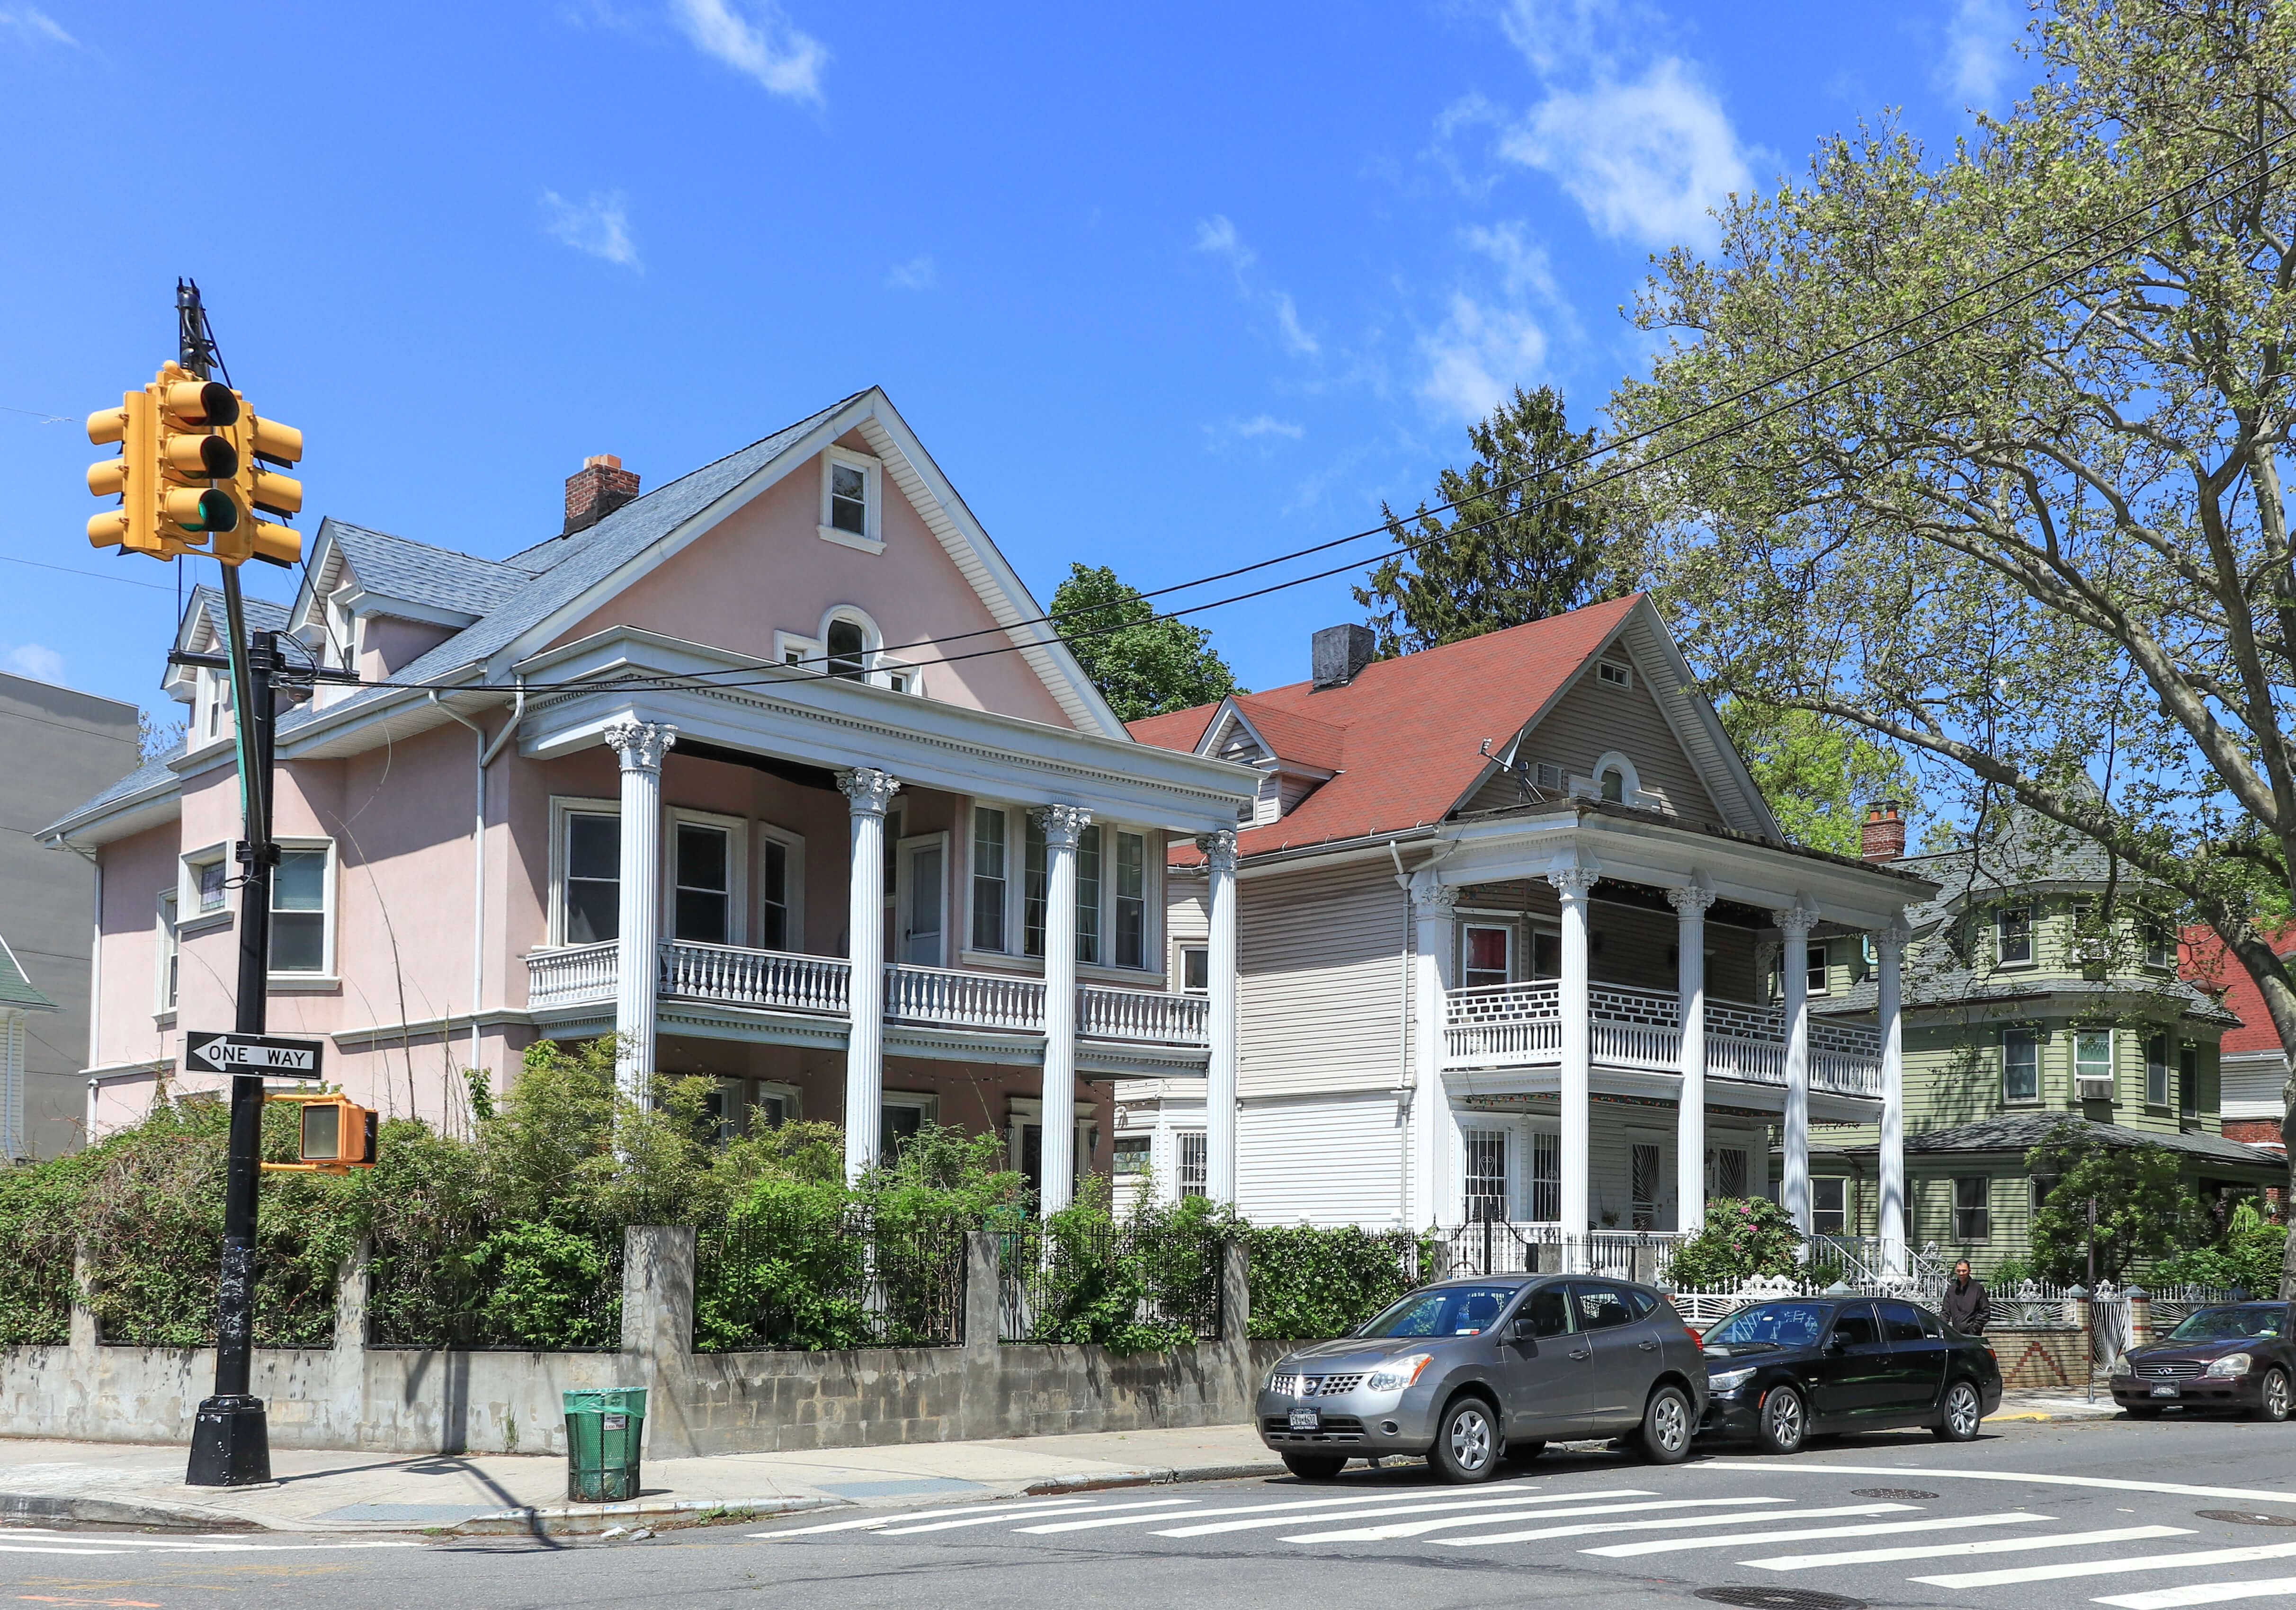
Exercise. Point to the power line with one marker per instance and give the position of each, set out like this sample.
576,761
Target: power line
94,574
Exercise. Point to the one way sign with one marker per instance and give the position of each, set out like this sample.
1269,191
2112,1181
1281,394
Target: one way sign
252,1054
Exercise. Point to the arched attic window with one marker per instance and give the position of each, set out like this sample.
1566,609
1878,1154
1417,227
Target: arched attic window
851,642
1615,774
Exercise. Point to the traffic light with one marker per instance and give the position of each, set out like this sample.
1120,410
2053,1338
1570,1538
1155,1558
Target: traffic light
171,458
133,477
336,1134
257,442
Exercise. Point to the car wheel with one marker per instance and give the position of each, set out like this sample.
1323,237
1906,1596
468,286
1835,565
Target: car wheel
1784,1423
1314,1467
1466,1442
1667,1429
2272,1396
1962,1412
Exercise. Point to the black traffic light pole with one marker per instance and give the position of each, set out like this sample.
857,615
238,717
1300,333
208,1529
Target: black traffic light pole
230,1439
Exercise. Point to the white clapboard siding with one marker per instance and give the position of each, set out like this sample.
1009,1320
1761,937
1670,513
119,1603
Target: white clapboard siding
1323,1161
1321,962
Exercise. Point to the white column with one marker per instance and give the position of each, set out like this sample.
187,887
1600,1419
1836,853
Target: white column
1690,1118
641,744
1219,1069
1794,923
1432,1199
867,791
1890,949
1576,885
1062,826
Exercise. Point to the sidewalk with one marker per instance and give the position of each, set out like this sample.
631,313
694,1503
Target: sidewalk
113,1483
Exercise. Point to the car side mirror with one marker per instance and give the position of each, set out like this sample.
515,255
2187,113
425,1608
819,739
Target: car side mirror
1837,1343
1524,1329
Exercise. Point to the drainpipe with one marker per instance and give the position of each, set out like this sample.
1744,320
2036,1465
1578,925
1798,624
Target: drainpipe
485,753
1405,1081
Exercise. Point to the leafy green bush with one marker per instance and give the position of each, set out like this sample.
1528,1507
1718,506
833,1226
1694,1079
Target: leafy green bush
2139,1206
2248,1256
1309,1284
1742,1237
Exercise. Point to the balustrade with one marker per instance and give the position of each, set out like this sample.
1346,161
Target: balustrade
939,995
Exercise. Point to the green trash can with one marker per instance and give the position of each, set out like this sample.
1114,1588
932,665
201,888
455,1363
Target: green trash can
602,1431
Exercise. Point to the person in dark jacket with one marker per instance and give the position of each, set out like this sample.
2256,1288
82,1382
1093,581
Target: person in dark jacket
1965,1308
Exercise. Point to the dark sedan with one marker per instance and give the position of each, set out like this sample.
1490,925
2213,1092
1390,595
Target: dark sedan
2238,1355
1780,1373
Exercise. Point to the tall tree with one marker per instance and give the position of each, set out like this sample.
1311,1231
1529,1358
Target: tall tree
1818,773
1518,543
1143,665
2048,544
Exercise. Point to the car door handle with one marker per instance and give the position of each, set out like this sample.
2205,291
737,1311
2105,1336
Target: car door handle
1588,1353
1647,1346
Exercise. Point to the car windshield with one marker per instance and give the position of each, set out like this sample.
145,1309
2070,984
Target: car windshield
1447,1310
1777,1324
2232,1324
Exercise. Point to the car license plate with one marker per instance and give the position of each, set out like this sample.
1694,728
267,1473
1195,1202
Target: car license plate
2161,1389
1306,1420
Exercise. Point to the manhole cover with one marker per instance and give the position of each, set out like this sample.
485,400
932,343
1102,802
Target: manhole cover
1890,1492
2246,1517
1779,1598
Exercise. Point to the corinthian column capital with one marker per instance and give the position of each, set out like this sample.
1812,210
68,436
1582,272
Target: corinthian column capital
640,744
1219,848
1062,824
868,789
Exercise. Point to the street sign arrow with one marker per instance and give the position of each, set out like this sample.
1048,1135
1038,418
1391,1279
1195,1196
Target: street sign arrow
213,1053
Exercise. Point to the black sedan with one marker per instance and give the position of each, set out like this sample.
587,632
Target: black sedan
2237,1355
1781,1372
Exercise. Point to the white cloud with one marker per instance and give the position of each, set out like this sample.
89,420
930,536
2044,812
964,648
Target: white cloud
34,26
767,47
1264,424
1645,159
1218,236
1522,264
1297,341
915,274
1980,48
32,660
1478,357
599,223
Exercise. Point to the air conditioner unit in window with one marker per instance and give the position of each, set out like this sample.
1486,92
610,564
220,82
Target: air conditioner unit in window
2096,949
2094,1088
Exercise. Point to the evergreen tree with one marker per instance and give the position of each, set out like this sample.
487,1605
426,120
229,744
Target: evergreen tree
1144,665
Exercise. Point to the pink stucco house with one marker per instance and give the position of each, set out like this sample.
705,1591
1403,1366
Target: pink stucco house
775,770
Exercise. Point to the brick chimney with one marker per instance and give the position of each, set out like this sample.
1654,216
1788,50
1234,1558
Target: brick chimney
1883,834
601,487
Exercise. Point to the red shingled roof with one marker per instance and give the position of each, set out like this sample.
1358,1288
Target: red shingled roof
1404,735
2203,960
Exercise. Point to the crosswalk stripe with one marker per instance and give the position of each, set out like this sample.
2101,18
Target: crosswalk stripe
43,1549
1991,1545
1148,1520
2109,1484
141,1545
1942,1522
991,1520
893,1517
1591,1527
1372,1534
1477,1509
2201,1593
2150,1562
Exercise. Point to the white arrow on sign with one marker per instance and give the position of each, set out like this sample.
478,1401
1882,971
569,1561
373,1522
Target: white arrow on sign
251,1054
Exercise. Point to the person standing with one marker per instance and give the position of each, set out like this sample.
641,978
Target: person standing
1965,1307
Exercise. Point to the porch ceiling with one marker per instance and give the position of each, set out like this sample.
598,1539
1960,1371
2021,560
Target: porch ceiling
1722,1095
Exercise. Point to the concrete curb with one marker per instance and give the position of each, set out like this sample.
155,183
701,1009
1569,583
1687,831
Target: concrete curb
59,1509
1152,1476
562,1520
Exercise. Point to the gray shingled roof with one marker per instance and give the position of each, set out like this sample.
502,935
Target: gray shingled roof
15,989
260,613
2020,1131
398,568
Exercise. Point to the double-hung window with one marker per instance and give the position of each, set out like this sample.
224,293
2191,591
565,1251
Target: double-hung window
2013,936
2156,1071
170,954
775,899
702,898
591,895
2021,1064
2159,950
299,888
2188,1082
1131,900
1486,956
207,880
849,650
1828,1205
988,880
1972,1219
1032,888
1087,895
2093,1063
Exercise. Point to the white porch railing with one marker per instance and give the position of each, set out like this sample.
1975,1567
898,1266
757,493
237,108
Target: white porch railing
1151,1015
1490,1246
780,980
1513,1024
939,995
579,972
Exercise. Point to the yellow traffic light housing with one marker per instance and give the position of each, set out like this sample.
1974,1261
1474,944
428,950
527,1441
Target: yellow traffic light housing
336,1135
177,471
257,442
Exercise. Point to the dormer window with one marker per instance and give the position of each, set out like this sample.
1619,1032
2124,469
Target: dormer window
343,631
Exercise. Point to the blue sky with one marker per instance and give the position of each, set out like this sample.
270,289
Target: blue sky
1159,288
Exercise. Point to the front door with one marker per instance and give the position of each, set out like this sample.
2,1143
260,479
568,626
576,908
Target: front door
923,900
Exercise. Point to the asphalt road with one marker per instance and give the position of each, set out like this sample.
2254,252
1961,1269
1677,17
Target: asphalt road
2027,1517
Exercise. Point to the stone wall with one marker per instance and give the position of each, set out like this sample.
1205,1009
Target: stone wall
410,1401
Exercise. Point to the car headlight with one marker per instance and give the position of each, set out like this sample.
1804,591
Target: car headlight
2121,1366
2231,1364
1398,1373
1729,1380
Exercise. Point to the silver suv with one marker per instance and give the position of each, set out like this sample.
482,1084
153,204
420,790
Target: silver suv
1472,1372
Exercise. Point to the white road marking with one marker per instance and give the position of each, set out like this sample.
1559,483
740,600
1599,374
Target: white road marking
1593,1527
1357,1498
2112,1484
1478,1514
1942,1522
991,1520
2150,1562
2201,1593
895,1517
1369,1534
1991,1545
107,1545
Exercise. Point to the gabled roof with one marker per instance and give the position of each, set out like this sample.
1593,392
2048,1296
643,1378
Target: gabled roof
2203,960
15,989
205,610
460,585
1409,731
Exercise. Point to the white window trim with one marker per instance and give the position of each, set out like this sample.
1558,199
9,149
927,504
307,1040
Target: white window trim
808,650
1610,674
2040,1073
187,891
2112,1059
876,669
737,868
1012,875
1016,873
1507,928
794,893
210,695
1630,782
1030,1109
1176,979
897,948
874,473
167,941
926,1101
561,806
2032,934
329,976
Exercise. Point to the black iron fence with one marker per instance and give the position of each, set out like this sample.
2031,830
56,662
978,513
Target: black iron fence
516,1287
1133,1287
796,1277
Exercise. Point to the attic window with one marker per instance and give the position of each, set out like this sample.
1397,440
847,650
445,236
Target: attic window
1617,675
850,512
849,499
849,650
